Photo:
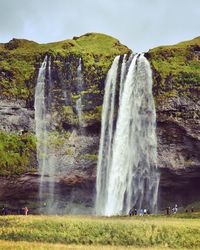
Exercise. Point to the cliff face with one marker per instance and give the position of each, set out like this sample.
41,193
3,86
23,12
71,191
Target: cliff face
176,72
20,61
74,143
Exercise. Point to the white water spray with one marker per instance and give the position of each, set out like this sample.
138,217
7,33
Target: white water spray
105,150
45,157
79,103
40,118
122,77
132,178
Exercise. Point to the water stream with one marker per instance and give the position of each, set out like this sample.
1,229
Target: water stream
129,178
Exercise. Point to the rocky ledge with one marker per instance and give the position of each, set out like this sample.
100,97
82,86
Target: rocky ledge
15,116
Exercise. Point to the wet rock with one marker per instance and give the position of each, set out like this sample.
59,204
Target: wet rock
14,116
74,193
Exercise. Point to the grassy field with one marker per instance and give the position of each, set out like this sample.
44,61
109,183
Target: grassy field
77,232
8,245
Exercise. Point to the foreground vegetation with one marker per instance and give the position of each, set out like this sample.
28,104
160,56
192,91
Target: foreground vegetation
156,232
7,245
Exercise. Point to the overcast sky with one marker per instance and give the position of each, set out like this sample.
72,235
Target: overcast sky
140,24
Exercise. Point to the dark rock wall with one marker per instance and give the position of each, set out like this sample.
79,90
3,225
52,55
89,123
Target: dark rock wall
176,71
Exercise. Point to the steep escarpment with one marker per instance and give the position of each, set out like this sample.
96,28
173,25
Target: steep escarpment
176,71
75,145
19,65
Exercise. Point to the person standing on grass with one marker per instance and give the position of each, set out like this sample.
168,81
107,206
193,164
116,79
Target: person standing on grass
25,211
175,209
3,211
168,211
131,212
135,211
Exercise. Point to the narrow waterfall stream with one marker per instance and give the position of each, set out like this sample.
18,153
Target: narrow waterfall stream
40,118
127,167
55,160
79,100
46,159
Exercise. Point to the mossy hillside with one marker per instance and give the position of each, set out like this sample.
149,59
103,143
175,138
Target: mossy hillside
17,67
176,70
17,153
20,60
90,117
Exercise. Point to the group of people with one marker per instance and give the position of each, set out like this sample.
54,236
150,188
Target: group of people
134,211
173,210
21,211
191,210
140,212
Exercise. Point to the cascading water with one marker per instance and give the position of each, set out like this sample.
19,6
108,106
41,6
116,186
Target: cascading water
50,85
129,178
105,151
79,100
122,77
42,120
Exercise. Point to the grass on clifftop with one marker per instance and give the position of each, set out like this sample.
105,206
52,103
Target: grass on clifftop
156,232
177,69
20,59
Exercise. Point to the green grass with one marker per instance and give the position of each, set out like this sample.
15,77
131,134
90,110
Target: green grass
176,70
20,58
156,232
7,245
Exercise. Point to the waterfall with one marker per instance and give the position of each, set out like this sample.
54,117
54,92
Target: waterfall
79,100
129,178
122,77
50,85
105,151
40,118
45,157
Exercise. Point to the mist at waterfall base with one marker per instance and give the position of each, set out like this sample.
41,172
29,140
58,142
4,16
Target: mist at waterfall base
127,174
52,159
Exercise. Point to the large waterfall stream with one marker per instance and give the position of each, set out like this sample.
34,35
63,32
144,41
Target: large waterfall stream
105,150
127,167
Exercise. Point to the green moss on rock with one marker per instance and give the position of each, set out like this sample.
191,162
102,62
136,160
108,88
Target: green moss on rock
17,153
176,70
20,60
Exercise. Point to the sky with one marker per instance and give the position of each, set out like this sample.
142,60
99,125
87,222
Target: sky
139,24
